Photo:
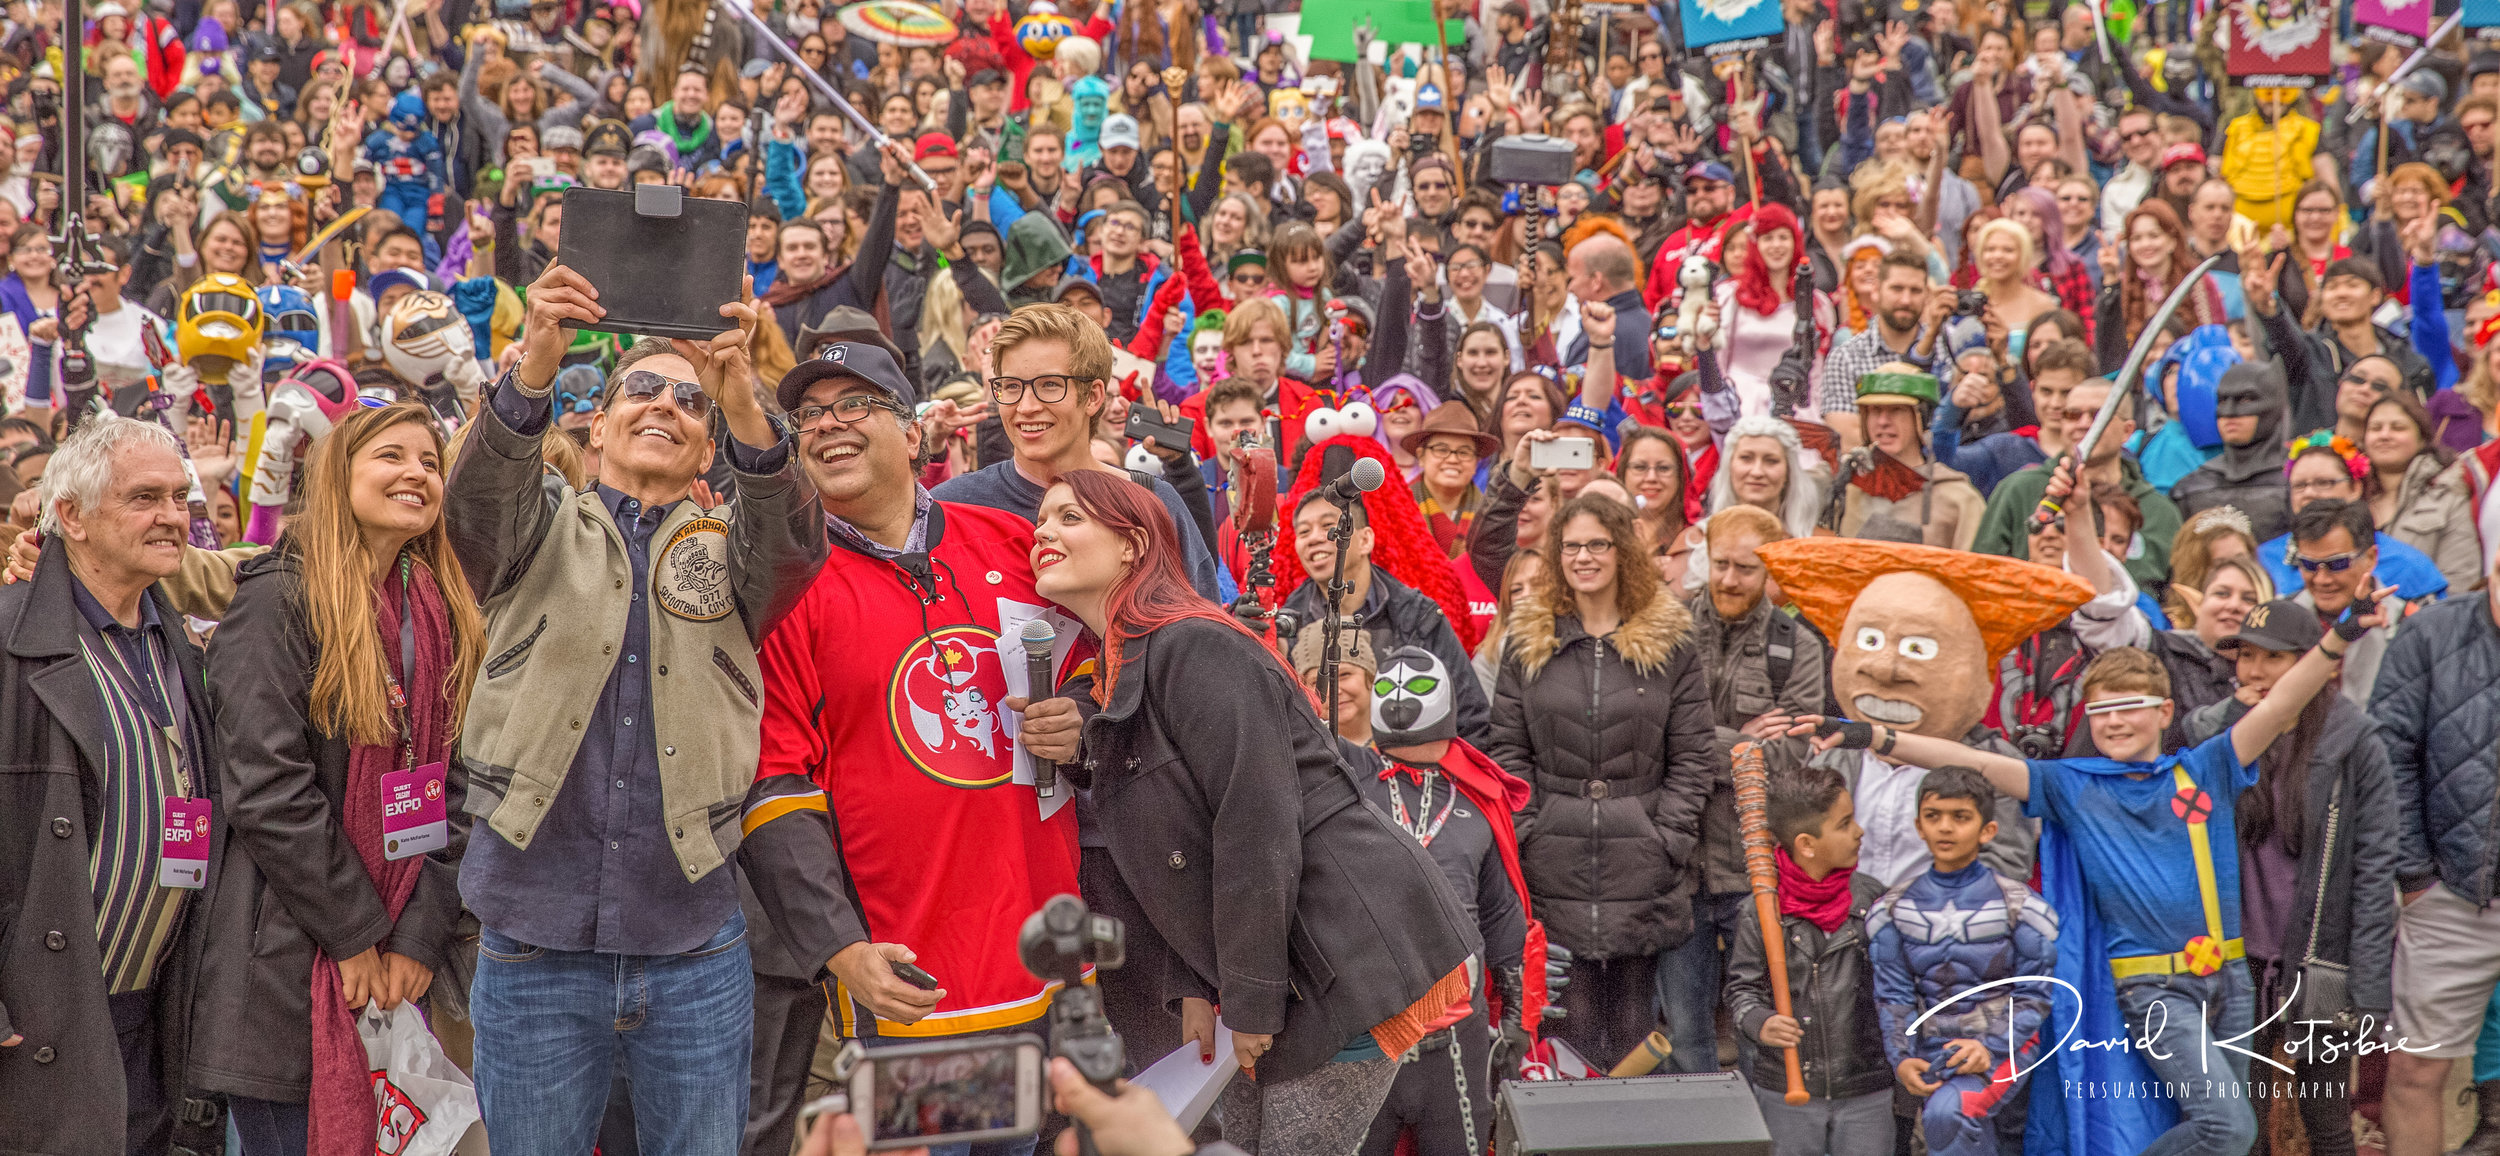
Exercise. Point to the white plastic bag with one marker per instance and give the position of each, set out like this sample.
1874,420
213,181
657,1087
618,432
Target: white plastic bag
422,1102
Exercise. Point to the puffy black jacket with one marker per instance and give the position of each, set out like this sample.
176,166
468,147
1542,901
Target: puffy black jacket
2437,699
1618,736
1832,991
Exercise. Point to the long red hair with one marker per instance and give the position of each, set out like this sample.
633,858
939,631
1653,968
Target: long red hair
1756,288
1155,592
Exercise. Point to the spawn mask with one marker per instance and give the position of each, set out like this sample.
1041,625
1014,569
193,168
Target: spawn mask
1411,702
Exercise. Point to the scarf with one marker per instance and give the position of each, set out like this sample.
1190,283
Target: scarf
1823,903
784,292
342,1107
1887,478
688,139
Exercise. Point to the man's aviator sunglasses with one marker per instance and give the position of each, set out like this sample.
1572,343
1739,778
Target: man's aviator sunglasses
643,385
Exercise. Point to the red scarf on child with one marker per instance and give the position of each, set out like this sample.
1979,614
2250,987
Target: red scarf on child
1822,902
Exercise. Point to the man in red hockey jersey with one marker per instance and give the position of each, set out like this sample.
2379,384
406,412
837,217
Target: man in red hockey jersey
885,732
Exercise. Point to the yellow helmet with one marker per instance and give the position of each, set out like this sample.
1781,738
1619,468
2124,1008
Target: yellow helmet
216,324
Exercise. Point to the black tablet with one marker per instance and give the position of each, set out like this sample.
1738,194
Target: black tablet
663,262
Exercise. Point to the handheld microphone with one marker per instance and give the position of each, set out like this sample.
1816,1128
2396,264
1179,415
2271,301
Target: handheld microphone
1365,477
1038,637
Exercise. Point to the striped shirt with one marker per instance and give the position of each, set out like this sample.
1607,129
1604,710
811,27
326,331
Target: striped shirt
144,766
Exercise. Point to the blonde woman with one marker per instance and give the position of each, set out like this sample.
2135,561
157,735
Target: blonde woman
352,648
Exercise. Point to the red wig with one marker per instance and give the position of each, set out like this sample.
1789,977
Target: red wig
1402,543
1155,592
1755,288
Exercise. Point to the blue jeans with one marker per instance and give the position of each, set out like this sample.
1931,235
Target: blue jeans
552,1025
1689,976
2209,1082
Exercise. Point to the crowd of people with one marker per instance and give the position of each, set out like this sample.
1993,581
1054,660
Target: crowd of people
2065,465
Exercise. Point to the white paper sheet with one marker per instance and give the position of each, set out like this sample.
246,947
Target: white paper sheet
1188,1086
1012,615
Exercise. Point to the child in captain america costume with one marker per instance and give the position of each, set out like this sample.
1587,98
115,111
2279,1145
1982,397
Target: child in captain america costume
410,162
1935,938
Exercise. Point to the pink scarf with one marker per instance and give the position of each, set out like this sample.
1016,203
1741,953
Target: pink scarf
342,1107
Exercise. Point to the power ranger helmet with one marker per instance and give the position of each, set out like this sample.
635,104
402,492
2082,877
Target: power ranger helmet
216,324
424,337
329,379
293,328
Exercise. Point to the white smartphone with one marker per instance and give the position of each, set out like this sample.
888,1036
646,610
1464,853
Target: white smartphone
1563,454
943,1092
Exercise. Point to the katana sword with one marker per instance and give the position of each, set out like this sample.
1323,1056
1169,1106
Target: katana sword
2123,384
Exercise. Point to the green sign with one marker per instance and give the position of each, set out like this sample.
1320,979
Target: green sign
1394,22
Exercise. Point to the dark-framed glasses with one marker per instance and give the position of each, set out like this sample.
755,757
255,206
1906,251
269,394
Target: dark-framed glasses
847,410
1049,388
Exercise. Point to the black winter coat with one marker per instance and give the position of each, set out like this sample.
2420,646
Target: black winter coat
1619,738
1246,844
2437,699
62,1087
294,881
1832,989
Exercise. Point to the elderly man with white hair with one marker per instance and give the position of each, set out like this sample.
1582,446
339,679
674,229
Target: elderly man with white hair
109,838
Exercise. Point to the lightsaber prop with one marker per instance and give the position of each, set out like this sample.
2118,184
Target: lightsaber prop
2412,62
757,26
2122,385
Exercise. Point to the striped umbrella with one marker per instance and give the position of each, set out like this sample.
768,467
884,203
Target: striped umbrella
901,22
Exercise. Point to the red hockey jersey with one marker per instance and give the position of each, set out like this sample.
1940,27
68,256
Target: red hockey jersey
891,704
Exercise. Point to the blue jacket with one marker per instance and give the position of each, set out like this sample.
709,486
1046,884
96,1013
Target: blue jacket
2437,702
1939,935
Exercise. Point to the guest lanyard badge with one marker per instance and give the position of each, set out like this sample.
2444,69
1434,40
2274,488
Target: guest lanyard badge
414,810
182,841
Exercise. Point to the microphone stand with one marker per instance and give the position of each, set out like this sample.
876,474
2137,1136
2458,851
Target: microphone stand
1333,625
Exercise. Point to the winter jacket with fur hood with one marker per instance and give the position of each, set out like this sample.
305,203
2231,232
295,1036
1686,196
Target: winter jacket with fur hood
1618,736
2432,516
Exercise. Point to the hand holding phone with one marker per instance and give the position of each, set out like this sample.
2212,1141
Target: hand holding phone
1563,454
940,1092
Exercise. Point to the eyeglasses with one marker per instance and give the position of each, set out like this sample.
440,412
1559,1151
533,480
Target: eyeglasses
1649,469
1250,279
2352,378
2137,135
1049,389
1596,549
2335,565
1450,451
1123,224
848,411
644,385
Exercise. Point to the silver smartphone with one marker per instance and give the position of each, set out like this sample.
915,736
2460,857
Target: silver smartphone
1562,454
942,1092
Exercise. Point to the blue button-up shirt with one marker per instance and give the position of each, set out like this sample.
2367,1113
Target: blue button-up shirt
601,874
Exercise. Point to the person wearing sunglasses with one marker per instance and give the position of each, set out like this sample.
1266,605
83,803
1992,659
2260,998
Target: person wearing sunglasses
2326,468
607,807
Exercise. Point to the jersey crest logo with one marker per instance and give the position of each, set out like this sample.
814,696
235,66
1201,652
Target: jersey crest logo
943,703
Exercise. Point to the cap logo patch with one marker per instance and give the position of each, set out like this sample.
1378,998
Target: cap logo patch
833,353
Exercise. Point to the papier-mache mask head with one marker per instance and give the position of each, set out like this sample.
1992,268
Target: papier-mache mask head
1411,703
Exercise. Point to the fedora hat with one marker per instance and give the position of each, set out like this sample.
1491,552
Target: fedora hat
1451,419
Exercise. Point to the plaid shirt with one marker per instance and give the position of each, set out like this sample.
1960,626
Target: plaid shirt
1855,358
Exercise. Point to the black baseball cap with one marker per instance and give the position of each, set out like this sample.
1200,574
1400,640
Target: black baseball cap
2281,625
853,359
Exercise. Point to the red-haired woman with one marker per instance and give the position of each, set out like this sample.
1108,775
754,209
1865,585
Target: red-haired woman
1240,839
1758,312
2133,286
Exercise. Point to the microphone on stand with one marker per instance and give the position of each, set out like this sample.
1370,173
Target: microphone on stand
1365,477
1038,639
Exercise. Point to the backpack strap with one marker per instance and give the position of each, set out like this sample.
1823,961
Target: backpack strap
1780,648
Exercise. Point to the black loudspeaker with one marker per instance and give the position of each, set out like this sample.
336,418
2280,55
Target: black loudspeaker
1709,1114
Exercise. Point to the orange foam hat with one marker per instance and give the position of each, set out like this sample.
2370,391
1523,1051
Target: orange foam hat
2011,599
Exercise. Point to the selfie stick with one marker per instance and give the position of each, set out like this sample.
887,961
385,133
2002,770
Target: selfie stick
2411,62
822,88
2049,510
1365,477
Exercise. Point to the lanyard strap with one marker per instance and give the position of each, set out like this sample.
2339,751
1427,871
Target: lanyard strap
2200,838
407,669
